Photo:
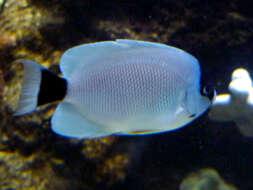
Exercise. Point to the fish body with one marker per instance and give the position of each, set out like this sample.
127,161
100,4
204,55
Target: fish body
126,87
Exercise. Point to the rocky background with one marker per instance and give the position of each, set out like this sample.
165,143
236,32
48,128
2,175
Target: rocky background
204,155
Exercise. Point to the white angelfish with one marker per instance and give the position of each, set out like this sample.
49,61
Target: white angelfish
118,87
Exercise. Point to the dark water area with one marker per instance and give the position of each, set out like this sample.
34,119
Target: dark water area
212,155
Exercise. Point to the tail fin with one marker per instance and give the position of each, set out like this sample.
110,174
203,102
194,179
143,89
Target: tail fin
40,86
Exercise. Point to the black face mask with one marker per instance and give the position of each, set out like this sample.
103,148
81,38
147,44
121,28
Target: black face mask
208,91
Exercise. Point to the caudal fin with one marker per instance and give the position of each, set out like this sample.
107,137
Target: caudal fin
40,86
30,89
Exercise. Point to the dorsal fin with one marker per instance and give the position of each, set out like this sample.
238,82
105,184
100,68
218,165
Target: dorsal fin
74,58
142,44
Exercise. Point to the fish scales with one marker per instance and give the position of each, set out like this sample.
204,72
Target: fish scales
122,88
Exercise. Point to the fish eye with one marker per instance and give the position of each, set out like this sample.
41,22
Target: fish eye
209,92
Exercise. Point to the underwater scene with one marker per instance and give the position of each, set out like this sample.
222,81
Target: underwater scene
125,95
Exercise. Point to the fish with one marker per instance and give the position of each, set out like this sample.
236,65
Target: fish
121,87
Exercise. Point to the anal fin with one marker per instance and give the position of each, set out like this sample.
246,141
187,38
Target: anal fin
68,121
144,132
